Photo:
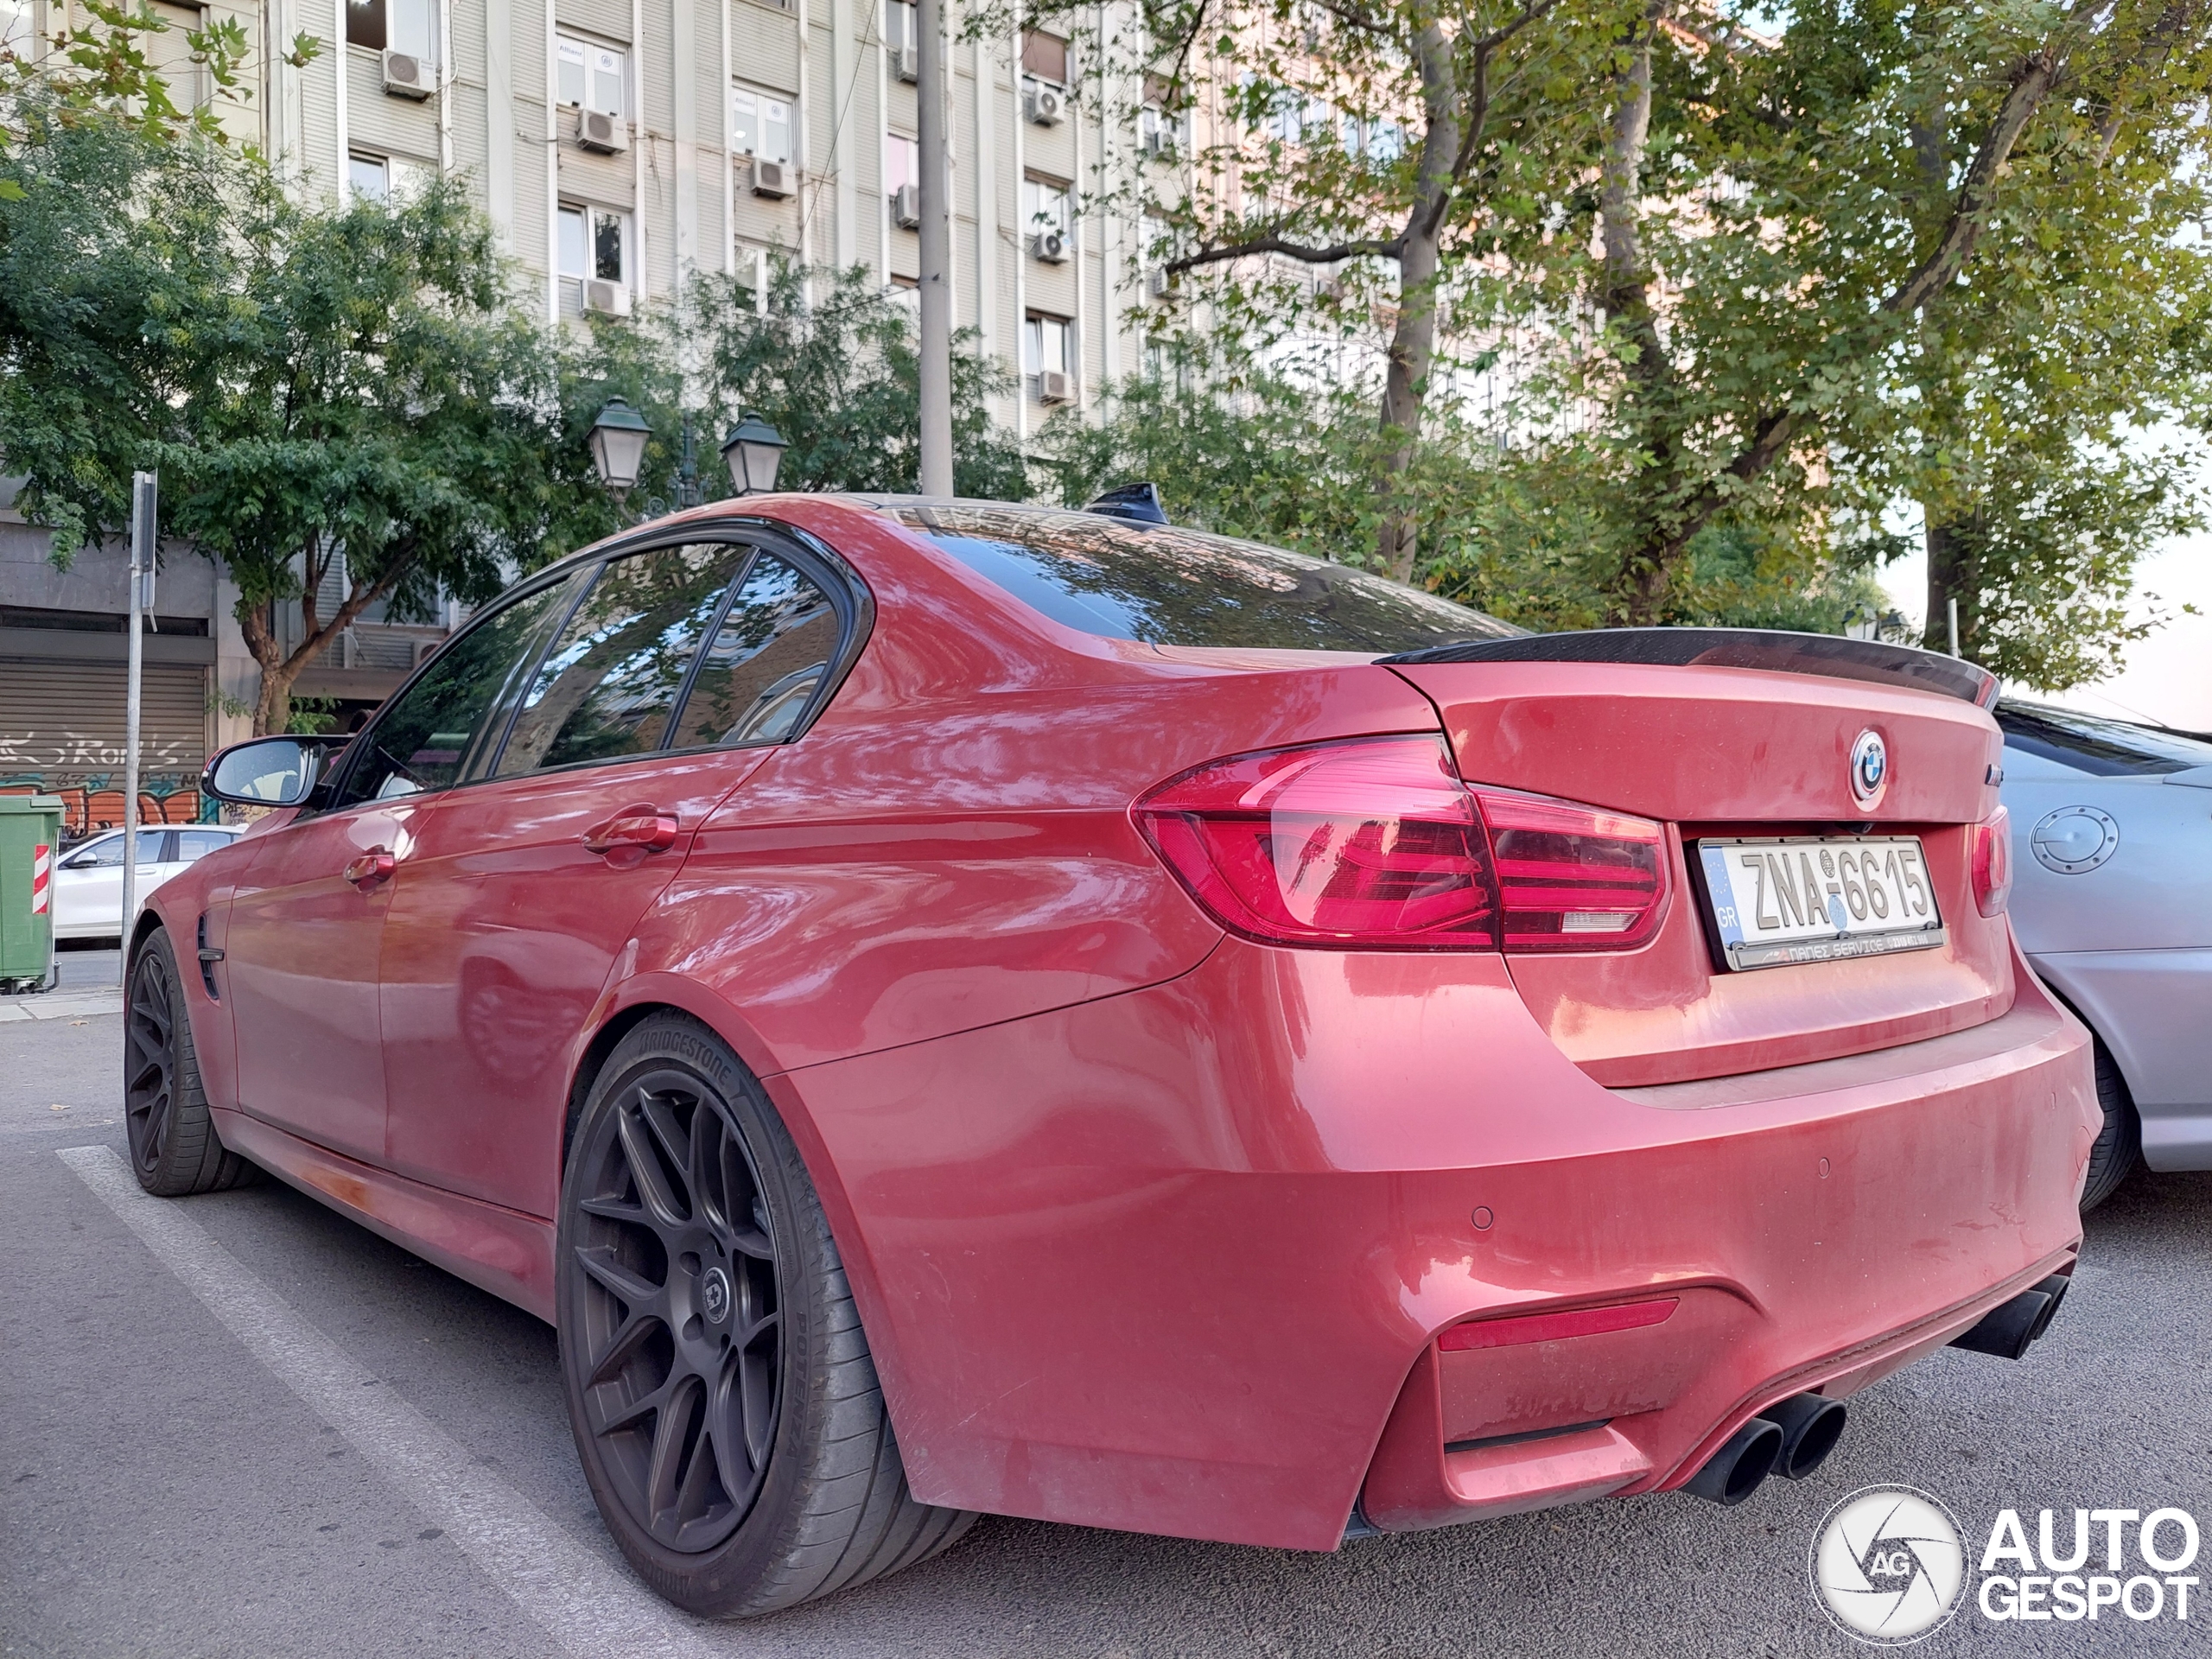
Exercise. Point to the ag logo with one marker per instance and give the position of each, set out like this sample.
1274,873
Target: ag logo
1888,1565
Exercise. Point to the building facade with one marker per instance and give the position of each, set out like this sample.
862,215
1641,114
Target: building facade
615,145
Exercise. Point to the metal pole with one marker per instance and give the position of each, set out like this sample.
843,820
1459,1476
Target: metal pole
1952,604
144,487
937,257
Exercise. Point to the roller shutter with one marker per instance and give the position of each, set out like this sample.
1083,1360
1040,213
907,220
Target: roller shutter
69,717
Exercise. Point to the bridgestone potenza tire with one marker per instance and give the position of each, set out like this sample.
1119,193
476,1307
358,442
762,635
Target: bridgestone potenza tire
2119,1144
173,1148
719,1383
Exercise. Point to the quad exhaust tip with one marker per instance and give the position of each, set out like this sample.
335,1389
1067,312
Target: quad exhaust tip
2011,1328
1791,1438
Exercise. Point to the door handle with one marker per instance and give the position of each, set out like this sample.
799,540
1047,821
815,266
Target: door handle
635,829
374,866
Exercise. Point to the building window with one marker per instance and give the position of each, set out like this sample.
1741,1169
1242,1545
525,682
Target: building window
1044,206
760,125
382,178
902,162
408,26
753,279
1045,344
369,177
902,25
593,242
592,76
1044,56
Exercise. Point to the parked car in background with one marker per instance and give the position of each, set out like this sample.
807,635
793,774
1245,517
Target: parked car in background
2113,902
88,881
957,1007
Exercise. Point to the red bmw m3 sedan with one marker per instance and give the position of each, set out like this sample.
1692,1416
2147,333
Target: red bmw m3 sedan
952,1007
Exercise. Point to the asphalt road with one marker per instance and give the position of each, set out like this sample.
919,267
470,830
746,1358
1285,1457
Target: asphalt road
166,1488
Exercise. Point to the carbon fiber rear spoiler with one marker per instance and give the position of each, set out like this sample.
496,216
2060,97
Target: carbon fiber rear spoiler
1774,650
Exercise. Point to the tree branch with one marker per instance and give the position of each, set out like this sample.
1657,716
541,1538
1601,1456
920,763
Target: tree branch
1272,242
357,602
2031,82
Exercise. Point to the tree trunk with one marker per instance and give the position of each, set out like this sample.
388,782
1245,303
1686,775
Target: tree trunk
272,707
1640,596
1954,572
1413,339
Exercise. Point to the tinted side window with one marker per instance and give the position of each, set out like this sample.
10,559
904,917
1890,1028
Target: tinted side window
761,670
607,688
444,725
197,843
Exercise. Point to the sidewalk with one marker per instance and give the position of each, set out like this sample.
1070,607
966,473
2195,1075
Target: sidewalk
65,1003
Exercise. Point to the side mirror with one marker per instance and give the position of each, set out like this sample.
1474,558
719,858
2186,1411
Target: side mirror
265,772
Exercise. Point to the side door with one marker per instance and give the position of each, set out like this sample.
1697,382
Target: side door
660,696
307,918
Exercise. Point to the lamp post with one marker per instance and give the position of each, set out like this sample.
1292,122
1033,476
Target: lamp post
618,446
753,450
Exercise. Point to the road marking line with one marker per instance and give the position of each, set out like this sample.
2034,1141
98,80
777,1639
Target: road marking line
589,1604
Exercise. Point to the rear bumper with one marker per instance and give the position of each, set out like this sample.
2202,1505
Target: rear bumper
1176,1261
2149,1008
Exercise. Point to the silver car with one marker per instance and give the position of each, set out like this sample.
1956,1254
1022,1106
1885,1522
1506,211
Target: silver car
2112,898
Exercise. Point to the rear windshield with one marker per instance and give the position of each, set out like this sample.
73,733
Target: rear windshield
1172,587
2093,744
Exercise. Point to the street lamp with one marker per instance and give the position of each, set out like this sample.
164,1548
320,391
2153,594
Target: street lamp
618,445
753,449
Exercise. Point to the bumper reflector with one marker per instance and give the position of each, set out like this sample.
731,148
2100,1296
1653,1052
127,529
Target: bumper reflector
1552,1327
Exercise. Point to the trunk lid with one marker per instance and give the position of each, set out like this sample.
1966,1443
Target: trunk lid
1720,734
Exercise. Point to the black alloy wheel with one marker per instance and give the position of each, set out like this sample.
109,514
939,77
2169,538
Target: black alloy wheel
149,1064
682,1332
173,1147
720,1386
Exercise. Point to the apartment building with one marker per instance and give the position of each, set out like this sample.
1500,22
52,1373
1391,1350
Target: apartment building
618,143
615,144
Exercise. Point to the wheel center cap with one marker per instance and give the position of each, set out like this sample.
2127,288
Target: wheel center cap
714,1295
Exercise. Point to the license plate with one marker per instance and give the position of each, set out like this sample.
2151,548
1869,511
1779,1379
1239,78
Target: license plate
1815,898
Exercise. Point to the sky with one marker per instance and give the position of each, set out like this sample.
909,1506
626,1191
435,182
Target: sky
2168,676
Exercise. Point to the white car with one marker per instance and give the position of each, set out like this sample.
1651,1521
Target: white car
88,881
2112,900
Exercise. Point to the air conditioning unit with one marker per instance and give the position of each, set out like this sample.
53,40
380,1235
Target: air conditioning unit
601,133
906,207
608,299
907,61
1158,282
1055,386
1050,246
406,75
1046,106
771,179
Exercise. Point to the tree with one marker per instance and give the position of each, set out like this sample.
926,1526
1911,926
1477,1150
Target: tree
1920,253
838,377
1270,459
364,400
1391,145
109,236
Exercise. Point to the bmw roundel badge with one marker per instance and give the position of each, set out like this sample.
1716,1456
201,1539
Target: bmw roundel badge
1870,768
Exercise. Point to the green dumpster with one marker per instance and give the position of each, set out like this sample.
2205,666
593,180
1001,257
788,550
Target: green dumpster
30,847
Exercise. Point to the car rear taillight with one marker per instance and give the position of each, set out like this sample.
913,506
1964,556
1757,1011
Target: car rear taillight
1374,843
1990,860
1574,878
